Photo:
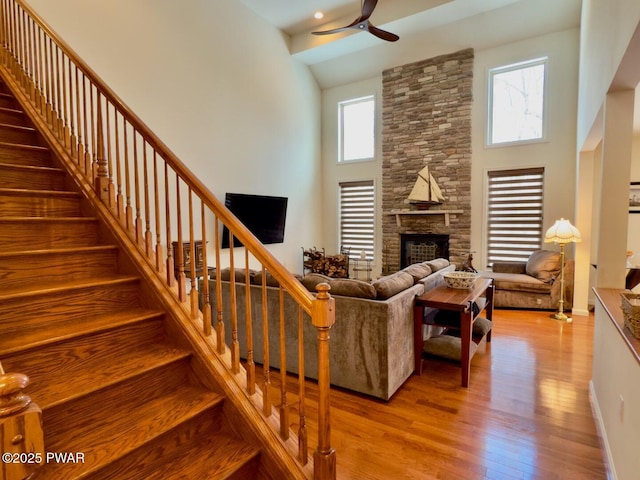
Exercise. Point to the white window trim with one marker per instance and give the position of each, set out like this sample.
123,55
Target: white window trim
376,108
489,105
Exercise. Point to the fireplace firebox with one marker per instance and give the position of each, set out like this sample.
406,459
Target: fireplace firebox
420,247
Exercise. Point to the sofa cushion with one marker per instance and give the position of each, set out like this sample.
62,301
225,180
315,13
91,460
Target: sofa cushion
518,282
387,287
311,281
240,274
270,279
351,287
544,265
437,264
418,271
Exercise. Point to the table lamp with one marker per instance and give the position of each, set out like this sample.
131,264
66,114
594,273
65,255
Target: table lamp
562,232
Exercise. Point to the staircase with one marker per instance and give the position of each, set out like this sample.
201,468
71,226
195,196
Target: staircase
114,388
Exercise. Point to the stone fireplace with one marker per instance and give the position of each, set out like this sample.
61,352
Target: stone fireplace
427,121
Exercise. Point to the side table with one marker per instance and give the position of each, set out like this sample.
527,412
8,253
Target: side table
455,300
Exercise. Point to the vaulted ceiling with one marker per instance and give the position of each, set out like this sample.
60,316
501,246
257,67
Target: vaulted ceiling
425,27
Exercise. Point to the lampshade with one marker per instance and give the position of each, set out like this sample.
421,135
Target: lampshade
562,232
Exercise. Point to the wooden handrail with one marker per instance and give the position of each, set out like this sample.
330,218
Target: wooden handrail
156,200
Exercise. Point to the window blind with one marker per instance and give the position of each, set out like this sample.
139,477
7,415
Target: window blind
357,215
514,216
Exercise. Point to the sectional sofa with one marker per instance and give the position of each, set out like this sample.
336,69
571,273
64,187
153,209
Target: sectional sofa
371,346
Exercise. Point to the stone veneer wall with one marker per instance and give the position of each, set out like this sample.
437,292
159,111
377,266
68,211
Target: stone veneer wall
426,120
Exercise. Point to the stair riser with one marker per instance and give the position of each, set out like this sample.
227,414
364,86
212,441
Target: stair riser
11,116
31,179
39,206
70,305
20,135
7,101
33,235
82,359
20,155
132,390
18,271
137,464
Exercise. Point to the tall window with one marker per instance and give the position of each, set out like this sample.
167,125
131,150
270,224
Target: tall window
516,102
514,228
357,129
357,205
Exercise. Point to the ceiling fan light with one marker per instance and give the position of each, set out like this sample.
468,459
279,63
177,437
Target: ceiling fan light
318,15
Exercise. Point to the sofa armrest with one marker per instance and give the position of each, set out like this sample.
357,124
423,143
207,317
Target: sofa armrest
510,267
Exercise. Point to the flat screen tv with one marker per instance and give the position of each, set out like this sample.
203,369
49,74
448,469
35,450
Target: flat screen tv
263,215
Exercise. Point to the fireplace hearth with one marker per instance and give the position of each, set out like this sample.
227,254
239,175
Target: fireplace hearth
420,247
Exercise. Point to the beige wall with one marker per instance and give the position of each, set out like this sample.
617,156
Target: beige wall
218,86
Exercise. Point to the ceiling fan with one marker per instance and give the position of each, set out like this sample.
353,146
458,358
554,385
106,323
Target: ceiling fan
363,23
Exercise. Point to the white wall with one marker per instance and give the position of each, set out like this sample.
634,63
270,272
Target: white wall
556,154
217,84
333,173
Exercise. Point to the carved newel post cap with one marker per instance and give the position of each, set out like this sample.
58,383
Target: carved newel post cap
323,290
12,399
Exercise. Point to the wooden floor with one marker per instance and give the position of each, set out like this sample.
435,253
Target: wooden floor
526,414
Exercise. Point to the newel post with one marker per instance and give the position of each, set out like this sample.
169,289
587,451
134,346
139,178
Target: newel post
21,436
102,181
323,317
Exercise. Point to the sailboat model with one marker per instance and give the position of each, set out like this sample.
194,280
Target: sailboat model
426,191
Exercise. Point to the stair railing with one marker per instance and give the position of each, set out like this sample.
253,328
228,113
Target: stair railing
168,212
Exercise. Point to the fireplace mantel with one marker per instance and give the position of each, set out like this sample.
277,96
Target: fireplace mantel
446,213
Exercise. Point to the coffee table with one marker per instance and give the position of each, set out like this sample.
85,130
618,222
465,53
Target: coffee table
455,300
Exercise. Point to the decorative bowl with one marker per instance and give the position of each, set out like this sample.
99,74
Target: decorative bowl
460,280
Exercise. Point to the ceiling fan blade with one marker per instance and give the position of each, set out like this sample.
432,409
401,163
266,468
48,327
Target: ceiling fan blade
334,30
367,8
383,34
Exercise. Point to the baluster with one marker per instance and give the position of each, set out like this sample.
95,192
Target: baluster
193,291
80,153
284,406
136,190
72,126
323,318
251,366
148,238
112,188
171,276
88,170
266,381
219,316
102,177
120,203
156,207
206,300
303,448
50,89
128,210
182,288
93,168
235,349
20,425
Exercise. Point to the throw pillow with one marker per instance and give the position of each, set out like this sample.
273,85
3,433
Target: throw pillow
239,274
387,287
544,265
418,271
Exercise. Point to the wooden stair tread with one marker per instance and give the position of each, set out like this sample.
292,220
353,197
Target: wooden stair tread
23,146
27,192
121,432
48,288
224,456
106,370
9,109
56,251
32,168
34,337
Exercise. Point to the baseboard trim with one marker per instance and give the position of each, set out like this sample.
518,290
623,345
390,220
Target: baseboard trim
602,433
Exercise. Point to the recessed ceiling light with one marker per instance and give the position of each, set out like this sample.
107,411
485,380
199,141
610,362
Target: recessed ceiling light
318,15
